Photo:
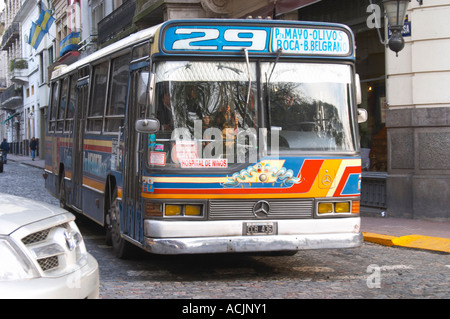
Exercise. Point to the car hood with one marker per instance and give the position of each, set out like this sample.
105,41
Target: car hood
17,211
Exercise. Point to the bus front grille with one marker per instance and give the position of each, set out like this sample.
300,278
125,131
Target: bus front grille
244,209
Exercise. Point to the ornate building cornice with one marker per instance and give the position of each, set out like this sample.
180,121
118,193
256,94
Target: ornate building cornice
215,8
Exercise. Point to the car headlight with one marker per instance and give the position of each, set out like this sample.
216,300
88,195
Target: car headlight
13,265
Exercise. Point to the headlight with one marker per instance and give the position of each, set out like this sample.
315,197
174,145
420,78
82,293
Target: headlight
13,265
342,207
193,210
333,208
325,208
173,210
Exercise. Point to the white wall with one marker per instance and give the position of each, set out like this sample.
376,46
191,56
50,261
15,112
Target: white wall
420,75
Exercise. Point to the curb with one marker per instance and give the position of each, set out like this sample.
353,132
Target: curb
35,164
410,241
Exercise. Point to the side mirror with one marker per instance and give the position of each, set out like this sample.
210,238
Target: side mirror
147,126
362,115
358,89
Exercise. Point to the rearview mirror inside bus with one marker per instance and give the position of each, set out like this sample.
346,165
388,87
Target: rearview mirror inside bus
147,126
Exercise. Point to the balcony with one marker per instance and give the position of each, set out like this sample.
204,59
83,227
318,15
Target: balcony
12,98
19,71
10,36
118,21
2,84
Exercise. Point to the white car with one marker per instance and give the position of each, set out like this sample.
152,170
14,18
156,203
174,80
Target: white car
42,253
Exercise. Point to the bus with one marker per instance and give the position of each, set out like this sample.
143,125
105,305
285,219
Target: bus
212,136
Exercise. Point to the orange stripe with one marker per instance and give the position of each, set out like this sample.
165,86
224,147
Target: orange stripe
218,196
94,184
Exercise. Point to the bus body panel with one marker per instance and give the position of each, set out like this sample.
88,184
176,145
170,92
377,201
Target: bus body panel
292,185
304,177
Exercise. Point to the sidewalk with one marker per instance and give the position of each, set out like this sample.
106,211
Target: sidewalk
26,160
411,233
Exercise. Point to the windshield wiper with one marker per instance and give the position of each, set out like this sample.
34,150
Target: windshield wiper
247,60
279,51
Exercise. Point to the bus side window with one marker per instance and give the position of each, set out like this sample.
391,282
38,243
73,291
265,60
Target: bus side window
71,104
97,103
115,110
54,106
62,105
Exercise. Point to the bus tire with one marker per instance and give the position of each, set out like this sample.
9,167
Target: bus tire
122,248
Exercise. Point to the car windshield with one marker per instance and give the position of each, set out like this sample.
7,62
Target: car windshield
310,106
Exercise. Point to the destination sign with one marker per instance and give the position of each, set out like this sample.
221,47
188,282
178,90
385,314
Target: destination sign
209,38
311,41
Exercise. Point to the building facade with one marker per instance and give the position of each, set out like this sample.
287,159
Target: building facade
12,97
418,116
406,141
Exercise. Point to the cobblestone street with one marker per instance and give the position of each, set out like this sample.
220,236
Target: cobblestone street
23,180
310,274
371,271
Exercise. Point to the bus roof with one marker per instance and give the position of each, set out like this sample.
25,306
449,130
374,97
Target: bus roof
229,37
129,41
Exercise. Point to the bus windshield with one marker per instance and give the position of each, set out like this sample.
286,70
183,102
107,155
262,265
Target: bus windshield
205,114
208,112
310,106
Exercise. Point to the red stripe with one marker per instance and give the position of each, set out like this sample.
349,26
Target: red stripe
344,178
97,148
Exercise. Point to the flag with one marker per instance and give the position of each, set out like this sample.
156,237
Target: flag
45,20
36,35
40,28
69,43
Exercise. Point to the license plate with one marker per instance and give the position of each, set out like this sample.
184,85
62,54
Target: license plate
263,228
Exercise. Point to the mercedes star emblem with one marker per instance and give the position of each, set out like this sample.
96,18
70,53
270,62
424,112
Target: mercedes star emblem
261,209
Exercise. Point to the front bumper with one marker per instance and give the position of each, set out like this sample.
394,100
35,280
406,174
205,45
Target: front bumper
171,246
197,237
81,284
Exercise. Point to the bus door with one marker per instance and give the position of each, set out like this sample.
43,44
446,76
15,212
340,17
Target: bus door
78,142
131,201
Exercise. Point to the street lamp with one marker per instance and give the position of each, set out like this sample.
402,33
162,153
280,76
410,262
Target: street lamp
396,13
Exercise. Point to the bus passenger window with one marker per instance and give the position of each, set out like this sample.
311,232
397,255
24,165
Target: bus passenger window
115,111
97,105
71,106
54,106
62,105
141,51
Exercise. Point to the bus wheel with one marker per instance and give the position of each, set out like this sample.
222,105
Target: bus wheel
121,247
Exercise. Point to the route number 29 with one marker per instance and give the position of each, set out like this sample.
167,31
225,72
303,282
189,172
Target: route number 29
210,39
